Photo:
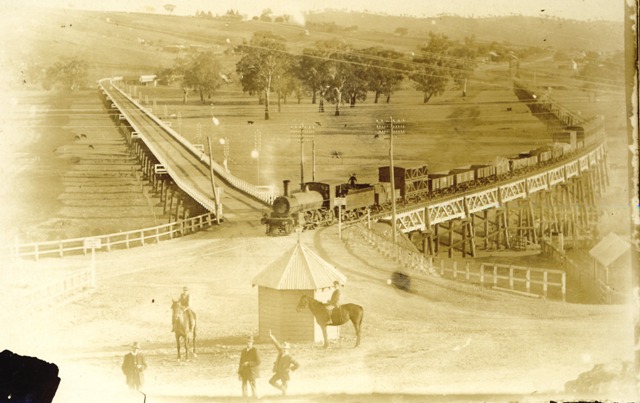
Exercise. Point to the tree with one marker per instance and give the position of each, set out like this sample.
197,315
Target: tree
169,8
311,69
264,60
202,73
385,71
68,75
463,63
339,69
431,69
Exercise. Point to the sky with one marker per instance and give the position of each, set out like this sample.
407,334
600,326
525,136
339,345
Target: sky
611,10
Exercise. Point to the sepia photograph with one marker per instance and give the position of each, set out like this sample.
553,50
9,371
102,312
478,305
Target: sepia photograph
319,201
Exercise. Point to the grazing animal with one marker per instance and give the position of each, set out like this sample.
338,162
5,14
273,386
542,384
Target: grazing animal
91,146
183,329
249,122
340,316
508,109
318,123
84,136
77,137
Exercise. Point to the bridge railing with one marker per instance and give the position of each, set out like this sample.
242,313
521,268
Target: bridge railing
125,239
398,252
240,184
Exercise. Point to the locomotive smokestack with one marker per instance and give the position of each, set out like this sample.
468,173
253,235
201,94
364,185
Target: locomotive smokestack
286,187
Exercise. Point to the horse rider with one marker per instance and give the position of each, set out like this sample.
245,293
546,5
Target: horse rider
184,304
334,302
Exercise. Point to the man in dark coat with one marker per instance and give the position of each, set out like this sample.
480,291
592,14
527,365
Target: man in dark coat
133,367
284,363
248,368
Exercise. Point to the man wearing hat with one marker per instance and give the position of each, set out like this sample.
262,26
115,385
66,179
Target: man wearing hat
184,303
284,363
334,302
133,367
248,369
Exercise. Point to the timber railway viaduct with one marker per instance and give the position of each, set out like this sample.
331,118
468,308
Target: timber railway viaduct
558,198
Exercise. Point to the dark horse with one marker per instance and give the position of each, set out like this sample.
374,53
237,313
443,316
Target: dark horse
183,329
340,316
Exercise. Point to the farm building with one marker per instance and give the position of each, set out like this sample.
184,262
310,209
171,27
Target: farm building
297,272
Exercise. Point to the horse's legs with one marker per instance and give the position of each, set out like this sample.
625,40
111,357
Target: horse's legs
178,345
186,346
194,340
324,334
357,322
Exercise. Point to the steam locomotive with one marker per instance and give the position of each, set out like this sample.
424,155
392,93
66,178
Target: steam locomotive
324,203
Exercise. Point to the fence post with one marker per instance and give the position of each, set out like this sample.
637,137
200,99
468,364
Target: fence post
563,281
495,275
528,280
511,277
466,269
482,275
544,283
61,251
455,269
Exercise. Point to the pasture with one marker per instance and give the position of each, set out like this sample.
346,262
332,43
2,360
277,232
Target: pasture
443,340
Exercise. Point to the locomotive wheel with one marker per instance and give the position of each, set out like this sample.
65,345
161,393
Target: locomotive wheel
329,218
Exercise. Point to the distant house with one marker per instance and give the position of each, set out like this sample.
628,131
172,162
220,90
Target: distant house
148,79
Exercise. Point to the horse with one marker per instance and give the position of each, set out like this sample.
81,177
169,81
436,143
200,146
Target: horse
340,316
181,328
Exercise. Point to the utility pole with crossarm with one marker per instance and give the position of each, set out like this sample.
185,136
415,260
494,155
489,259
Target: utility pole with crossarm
305,133
391,127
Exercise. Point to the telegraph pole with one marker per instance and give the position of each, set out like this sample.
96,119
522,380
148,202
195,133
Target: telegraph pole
302,137
391,127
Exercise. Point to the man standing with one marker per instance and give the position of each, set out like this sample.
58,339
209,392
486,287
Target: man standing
284,363
334,302
133,367
248,369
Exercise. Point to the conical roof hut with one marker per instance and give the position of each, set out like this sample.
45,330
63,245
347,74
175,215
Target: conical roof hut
298,272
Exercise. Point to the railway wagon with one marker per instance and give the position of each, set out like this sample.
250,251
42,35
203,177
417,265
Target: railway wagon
543,154
412,182
484,172
462,176
523,161
440,181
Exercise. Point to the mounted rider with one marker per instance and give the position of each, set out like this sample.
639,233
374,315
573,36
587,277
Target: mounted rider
184,301
334,302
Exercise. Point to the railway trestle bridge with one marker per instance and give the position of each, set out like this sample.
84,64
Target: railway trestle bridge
557,199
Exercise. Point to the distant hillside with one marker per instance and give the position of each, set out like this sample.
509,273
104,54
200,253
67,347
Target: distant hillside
517,30
137,43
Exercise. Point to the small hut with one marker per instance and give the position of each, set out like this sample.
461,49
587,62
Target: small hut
612,263
297,272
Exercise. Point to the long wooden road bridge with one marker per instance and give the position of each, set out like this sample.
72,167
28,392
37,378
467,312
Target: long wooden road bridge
557,198
180,171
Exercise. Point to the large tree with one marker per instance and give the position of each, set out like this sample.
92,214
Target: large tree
339,69
68,75
385,71
202,73
431,67
264,60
